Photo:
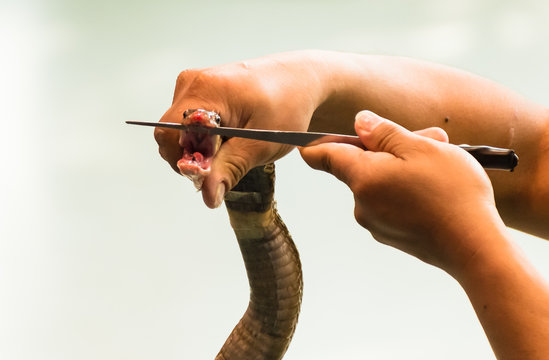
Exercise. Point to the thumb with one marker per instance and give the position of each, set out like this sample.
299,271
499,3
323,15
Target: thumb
233,160
344,161
229,165
381,135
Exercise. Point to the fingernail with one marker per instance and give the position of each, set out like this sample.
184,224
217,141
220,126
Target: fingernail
367,121
219,194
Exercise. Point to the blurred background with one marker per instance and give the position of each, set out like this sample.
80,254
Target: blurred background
105,253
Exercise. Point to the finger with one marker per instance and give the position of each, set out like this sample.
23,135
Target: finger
344,161
168,146
434,133
379,134
234,159
168,139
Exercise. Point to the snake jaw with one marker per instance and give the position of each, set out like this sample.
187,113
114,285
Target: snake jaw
198,148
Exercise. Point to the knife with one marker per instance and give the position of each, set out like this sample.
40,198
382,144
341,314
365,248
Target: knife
488,156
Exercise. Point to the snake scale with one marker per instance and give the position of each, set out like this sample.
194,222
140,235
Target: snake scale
273,268
270,256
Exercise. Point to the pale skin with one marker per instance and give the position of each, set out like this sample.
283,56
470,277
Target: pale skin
323,91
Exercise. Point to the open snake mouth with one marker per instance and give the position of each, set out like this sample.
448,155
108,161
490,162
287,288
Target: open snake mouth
198,148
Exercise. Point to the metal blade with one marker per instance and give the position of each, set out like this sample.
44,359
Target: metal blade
176,126
296,138
489,157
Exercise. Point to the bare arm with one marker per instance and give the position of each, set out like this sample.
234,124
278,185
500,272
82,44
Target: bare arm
469,108
510,299
452,223
324,90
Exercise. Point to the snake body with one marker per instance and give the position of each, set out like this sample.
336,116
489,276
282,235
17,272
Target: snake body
273,268
270,256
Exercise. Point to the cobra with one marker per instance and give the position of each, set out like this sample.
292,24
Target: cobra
270,256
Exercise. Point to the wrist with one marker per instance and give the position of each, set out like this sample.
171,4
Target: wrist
492,251
302,77
322,67
343,78
509,298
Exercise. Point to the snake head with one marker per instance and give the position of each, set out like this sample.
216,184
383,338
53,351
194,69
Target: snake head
198,148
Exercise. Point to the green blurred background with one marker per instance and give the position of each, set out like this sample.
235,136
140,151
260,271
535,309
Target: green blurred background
105,253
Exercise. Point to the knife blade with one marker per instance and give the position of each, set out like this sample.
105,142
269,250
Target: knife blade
489,157
296,138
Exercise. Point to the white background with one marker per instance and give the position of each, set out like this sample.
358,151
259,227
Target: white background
105,253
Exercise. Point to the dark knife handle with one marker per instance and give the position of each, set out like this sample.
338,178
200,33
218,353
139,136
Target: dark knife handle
492,157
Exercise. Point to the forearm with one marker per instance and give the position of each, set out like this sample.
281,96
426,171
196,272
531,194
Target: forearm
443,212
510,299
419,94
469,108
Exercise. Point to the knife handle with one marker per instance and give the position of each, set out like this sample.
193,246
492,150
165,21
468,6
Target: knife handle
493,158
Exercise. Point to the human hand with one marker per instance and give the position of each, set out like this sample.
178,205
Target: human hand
275,92
413,191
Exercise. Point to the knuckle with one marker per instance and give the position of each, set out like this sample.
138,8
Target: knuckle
199,80
199,89
386,137
184,77
163,153
325,162
161,136
193,82
360,190
361,219
358,215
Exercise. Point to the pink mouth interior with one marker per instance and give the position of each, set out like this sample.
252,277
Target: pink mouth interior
198,150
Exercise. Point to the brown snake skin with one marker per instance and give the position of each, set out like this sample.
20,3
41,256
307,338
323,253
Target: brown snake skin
273,268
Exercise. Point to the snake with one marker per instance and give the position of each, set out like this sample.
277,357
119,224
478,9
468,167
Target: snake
270,256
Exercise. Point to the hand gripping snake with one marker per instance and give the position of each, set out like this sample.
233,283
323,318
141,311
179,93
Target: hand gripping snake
270,256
